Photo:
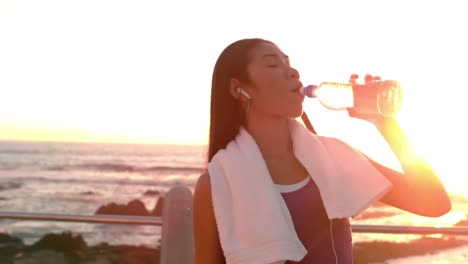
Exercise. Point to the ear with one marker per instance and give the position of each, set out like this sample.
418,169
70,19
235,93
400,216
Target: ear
234,84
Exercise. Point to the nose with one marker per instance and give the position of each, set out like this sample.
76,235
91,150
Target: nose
293,73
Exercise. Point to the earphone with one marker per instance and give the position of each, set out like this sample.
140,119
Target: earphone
242,91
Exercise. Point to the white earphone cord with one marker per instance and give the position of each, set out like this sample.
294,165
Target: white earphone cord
333,242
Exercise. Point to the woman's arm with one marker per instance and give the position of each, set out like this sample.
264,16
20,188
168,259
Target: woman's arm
207,245
418,190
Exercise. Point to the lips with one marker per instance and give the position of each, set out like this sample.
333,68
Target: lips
297,88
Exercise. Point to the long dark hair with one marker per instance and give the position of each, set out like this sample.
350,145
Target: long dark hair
226,114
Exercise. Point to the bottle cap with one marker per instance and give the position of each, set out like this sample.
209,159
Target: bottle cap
309,90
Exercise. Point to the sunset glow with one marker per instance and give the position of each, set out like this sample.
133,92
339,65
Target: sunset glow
119,71
439,138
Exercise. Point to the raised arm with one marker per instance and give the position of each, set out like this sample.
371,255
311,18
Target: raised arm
418,190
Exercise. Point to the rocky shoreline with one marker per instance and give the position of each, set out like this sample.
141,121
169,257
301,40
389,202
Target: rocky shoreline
380,251
69,248
66,248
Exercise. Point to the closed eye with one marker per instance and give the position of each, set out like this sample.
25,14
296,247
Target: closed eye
273,60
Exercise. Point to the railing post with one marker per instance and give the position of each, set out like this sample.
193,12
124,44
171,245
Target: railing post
177,228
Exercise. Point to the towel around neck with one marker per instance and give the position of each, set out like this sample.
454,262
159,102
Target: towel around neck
253,220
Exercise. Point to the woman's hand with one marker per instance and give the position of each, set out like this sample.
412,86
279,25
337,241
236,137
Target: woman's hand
418,190
376,119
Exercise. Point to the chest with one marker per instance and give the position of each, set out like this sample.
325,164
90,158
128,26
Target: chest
285,170
324,240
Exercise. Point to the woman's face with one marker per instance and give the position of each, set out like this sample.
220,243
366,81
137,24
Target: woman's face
274,84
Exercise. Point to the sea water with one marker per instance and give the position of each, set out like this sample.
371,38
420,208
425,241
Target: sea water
78,178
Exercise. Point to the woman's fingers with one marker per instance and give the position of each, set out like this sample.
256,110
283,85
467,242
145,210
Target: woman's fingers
367,79
353,78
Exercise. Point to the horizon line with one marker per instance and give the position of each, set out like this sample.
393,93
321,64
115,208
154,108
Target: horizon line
103,142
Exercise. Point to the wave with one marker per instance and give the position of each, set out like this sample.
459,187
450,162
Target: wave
76,179
10,185
118,167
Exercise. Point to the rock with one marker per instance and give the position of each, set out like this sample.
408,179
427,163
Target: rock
64,242
6,239
157,210
462,223
9,246
111,209
134,207
151,193
98,259
42,256
66,248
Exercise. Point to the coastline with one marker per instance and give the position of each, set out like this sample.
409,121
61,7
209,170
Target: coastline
453,256
384,251
65,247
68,248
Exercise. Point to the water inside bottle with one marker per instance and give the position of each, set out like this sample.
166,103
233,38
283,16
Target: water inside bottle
382,97
390,98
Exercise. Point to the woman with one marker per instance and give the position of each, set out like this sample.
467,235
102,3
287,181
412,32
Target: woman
255,90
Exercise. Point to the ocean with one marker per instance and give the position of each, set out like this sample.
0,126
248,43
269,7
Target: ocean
78,178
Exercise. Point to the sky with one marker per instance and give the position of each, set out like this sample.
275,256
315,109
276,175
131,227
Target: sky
140,71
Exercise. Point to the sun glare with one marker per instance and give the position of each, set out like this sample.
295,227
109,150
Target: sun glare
111,79
438,136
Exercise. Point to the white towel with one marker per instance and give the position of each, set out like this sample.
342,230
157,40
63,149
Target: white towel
253,221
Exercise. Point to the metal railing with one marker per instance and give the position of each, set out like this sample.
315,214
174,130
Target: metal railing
399,229
152,220
177,229
108,219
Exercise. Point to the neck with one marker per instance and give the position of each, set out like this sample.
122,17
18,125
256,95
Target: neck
271,135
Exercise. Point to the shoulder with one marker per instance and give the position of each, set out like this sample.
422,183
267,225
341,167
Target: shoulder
340,149
202,199
334,142
203,187
203,182
207,246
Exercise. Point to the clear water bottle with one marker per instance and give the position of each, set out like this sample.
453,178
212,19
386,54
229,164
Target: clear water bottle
379,97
